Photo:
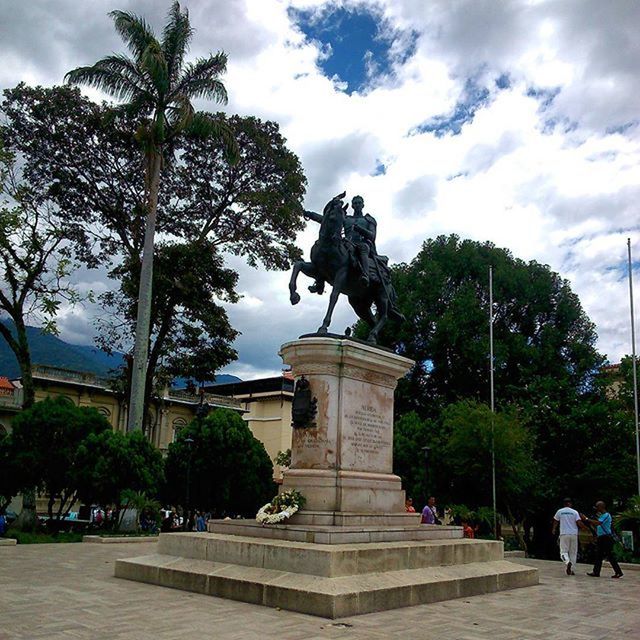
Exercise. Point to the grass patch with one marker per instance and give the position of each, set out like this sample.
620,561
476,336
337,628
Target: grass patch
25,537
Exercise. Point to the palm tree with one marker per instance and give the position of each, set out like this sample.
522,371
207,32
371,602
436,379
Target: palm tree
157,85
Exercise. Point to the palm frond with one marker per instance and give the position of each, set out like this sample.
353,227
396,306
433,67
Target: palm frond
134,30
110,77
204,125
180,114
175,40
155,66
124,66
200,79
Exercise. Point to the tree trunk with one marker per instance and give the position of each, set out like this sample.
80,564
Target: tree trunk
143,320
27,519
152,362
23,355
516,531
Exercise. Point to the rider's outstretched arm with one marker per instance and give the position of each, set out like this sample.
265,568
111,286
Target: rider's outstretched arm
312,215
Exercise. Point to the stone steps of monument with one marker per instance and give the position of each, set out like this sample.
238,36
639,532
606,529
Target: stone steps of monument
329,597
330,534
327,560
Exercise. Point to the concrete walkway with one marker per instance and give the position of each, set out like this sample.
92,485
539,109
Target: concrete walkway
68,591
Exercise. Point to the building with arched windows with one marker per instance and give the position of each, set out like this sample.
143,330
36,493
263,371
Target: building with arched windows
167,415
265,404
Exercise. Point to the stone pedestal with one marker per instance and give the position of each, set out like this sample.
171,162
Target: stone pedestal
328,580
343,463
353,549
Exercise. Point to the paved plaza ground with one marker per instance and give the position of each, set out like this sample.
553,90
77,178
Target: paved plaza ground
68,591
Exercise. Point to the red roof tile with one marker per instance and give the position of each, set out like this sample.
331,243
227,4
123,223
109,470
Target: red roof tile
5,383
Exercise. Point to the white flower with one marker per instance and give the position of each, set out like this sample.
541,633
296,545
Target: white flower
265,517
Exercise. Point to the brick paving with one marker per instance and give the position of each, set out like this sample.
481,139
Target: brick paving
68,591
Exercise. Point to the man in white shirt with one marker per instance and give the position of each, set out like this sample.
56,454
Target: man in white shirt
569,520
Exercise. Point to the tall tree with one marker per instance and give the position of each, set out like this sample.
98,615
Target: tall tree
35,262
469,433
157,85
544,341
229,470
546,365
47,442
191,335
85,157
111,462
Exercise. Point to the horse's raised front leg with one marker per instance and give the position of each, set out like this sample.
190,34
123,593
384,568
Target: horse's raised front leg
338,283
308,269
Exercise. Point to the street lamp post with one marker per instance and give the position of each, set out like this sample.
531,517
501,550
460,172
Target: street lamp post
189,442
633,362
493,407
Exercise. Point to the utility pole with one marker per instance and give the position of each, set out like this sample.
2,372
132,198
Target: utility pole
493,408
633,357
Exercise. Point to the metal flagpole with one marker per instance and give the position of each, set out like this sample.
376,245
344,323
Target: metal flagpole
633,357
493,438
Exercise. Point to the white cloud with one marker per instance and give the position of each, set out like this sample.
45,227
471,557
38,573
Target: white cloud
545,180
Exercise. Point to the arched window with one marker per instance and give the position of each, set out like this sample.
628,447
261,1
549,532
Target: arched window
178,424
104,412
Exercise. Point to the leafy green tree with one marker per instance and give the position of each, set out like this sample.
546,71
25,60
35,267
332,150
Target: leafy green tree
410,435
470,432
459,467
230,471
47,444
84,157
157,85
629,518
191,332
10,473
208,209
35,263
110,462
543,341
138,500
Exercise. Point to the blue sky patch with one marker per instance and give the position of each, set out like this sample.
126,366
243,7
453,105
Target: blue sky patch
473,98
622,128
544,96
503,81
358,44
380,169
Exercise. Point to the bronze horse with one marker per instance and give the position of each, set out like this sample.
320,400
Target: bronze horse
332,260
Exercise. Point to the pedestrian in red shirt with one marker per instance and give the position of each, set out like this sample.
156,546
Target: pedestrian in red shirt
467,530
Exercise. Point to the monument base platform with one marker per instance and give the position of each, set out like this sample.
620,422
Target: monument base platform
360,528
328,580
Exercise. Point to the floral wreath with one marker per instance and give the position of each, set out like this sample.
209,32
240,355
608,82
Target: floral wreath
282,507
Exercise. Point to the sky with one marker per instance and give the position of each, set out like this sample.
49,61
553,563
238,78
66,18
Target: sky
516,122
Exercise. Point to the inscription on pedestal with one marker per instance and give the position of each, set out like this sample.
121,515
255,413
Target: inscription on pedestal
368,430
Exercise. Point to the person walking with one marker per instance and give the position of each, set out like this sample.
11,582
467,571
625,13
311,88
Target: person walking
604,541
569,521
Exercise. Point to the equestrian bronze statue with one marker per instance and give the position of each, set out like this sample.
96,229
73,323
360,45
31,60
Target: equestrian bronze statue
345,256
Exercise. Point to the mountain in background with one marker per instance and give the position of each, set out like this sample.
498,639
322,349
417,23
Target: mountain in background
50,350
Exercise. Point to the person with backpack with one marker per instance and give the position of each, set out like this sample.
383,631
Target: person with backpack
604,540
